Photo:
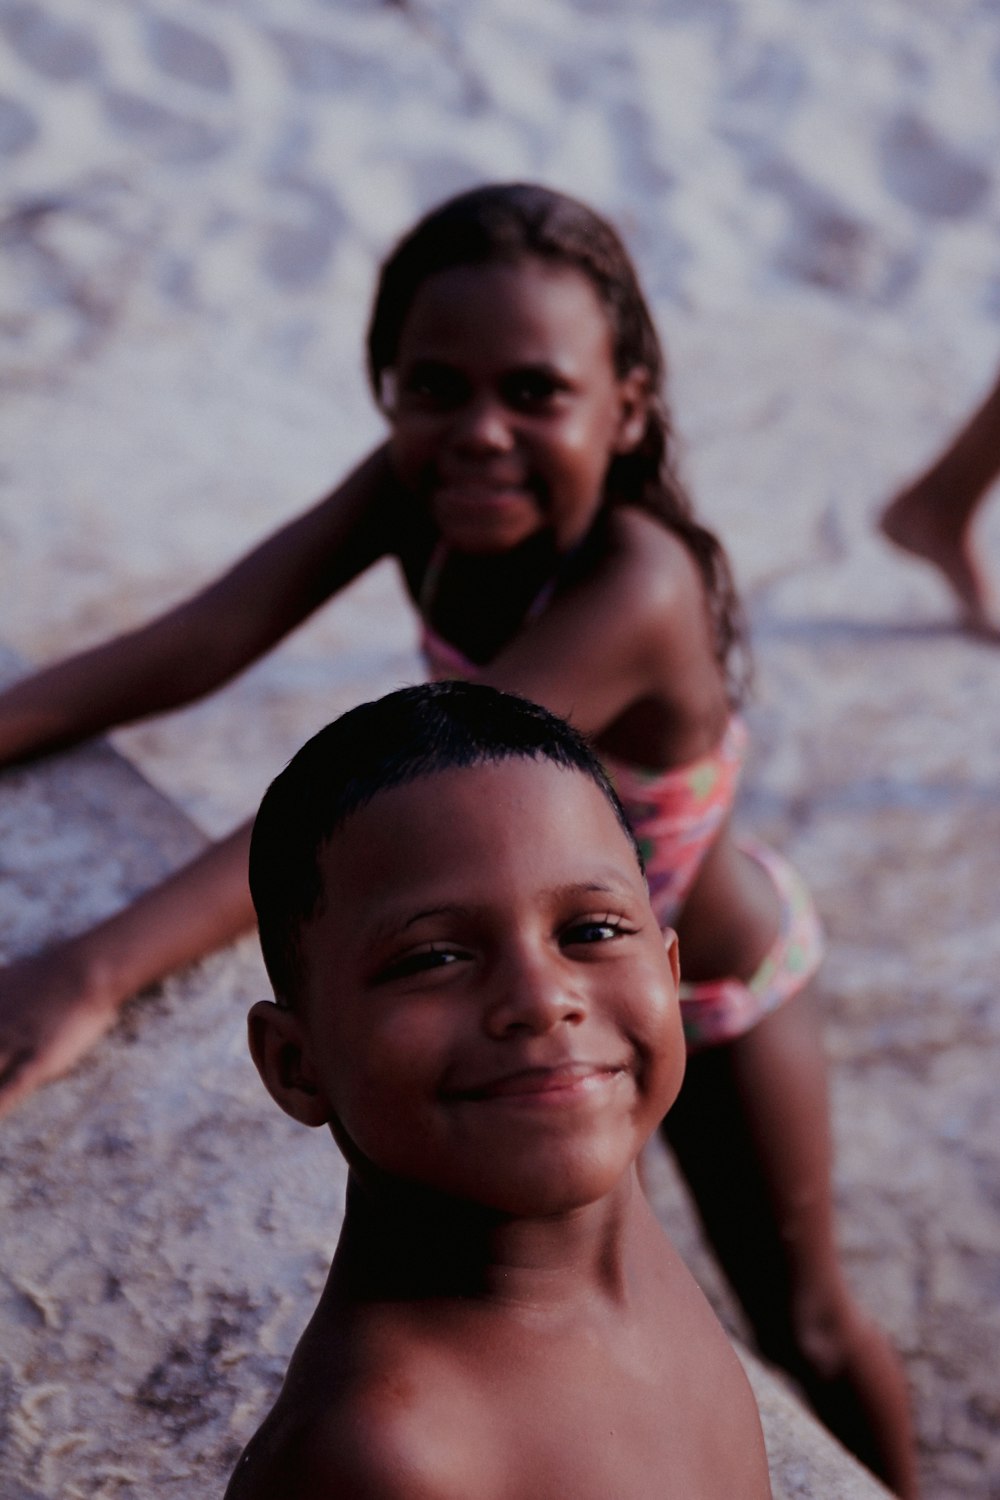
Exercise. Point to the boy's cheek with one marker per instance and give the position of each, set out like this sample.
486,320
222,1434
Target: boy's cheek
660,1037
654,984
372,1098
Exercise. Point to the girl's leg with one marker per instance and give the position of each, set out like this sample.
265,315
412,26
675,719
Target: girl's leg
751,1134
932,517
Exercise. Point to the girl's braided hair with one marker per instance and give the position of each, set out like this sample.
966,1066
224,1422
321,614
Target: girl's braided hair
506,222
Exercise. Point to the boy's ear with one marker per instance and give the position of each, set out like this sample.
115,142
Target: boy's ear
279,1049
635,391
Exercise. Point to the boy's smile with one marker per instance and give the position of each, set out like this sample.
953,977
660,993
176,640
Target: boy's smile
562,1082
489,1007
505,406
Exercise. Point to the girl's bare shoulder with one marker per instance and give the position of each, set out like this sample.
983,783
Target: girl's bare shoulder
651,575
651,558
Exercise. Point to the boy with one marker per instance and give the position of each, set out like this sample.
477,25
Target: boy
473,993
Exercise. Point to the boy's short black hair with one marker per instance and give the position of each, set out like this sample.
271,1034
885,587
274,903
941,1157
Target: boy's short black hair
410,733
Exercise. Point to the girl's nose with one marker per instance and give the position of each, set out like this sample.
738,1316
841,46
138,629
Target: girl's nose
534,995
482,425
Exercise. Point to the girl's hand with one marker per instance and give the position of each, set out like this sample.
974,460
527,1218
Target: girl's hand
56,1005
51,1013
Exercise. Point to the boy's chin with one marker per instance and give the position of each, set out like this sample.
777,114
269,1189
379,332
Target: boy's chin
537,1194
558,1200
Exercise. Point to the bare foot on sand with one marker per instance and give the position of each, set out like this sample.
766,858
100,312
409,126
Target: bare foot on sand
922,521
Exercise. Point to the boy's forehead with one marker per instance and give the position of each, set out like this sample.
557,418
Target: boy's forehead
519,806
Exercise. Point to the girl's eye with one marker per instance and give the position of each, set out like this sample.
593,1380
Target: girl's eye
595,930
531,389
423,961
432,385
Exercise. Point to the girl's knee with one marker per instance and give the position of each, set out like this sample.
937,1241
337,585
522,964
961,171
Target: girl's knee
818,1338
827,1330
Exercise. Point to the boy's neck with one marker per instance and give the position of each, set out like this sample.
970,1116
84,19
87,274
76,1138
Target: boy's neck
403,1242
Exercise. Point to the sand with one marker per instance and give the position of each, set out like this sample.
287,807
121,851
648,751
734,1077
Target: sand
194,201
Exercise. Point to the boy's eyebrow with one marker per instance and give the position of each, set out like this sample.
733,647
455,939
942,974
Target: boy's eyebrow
392,923
449,909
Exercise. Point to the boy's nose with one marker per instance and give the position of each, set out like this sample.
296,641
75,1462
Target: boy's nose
483,425
534,996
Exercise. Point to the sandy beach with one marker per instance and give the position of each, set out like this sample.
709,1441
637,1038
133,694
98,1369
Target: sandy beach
194,201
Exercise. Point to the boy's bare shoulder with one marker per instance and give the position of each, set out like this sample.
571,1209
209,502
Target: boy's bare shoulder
357,1451
709,1392
372,1434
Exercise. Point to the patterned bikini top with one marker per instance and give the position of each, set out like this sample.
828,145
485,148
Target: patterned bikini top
676,814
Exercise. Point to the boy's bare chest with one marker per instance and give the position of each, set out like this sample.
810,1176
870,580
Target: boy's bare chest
595,1428
556,1415
488,1404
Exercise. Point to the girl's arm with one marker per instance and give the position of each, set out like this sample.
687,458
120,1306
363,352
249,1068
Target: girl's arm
209,638
54,1006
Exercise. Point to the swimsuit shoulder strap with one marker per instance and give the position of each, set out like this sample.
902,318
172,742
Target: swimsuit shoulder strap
431,579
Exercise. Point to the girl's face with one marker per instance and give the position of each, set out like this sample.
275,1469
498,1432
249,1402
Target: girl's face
505,407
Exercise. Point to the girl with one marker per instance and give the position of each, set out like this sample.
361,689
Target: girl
527,491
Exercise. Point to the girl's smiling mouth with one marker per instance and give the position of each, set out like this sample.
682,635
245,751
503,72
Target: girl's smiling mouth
477,495
476,514
479,491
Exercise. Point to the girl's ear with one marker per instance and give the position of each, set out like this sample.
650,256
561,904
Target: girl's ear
673,953
279,1047
635,391
387,392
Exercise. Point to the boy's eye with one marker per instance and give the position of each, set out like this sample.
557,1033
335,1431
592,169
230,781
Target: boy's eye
422,961
594,930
